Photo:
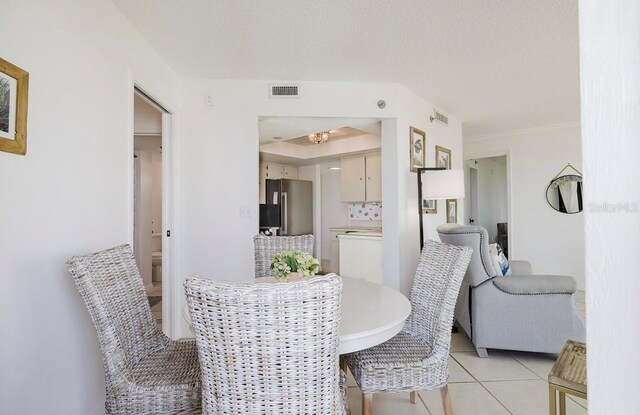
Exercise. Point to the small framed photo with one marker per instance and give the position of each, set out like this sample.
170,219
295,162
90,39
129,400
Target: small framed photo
14,91
443,157
417,144
452,210
429,206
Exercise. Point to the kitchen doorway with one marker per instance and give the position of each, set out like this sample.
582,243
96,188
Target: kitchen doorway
339,159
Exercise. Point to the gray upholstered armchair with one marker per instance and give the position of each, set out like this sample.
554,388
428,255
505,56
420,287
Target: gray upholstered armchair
534,313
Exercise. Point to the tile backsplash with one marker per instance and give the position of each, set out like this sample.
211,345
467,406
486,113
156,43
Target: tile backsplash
365,211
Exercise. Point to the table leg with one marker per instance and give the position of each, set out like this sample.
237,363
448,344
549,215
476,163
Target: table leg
562,397
552,400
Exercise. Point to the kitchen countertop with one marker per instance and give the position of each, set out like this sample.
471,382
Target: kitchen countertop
362,235
356,228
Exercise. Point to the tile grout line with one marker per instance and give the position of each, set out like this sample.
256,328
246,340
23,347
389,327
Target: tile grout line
483,387
577,403
547,382
424,404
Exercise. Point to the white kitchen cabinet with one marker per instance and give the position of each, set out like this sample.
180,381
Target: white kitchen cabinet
290,172
361,257
275,171
352,174
361,178
335,241
279,171
373,188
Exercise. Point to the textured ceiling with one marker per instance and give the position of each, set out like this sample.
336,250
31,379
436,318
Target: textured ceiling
496,64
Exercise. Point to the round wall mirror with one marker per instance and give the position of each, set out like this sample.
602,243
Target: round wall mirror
564,193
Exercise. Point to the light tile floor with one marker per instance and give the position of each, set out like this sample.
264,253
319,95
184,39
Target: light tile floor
504,383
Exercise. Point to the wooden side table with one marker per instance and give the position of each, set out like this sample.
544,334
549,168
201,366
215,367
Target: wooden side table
568,376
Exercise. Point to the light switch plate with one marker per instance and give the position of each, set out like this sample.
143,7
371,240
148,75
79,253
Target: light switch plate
208,100
245,211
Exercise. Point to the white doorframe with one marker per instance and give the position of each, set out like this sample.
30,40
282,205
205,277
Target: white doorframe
171,283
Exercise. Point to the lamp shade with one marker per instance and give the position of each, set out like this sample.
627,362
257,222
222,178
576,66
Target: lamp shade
443,184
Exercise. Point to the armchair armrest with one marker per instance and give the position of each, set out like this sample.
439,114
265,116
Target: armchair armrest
535,284
519,267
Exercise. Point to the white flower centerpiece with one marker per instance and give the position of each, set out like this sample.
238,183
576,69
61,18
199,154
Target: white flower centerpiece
294,265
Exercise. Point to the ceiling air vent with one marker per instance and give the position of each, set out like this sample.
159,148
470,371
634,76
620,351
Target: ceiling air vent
440,117
284,91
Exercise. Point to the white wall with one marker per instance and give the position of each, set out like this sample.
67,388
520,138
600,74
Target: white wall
147,119
312,173
400,191
156,198
610,89
552,241
143,244
71,193
222,141
334,211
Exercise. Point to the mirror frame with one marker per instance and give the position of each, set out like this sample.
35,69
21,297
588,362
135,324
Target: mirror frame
546,194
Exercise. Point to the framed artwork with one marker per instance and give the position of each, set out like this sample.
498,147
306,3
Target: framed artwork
452,210
443,157
417,144
429,206
14,92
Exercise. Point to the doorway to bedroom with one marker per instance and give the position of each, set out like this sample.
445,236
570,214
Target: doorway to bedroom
486,181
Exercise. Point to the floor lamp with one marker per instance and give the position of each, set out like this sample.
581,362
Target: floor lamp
438,183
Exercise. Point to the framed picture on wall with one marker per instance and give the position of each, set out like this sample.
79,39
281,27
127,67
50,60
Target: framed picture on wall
14,90
417,152
452,210
429,206
443,157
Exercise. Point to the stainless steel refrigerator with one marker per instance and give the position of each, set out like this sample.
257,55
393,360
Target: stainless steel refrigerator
294,199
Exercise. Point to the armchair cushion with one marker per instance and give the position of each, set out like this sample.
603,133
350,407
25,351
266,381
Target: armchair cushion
535,284
520,267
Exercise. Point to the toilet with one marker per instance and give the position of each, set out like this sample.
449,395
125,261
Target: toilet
156,266
156,257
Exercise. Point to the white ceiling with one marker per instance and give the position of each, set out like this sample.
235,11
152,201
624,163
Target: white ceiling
497,65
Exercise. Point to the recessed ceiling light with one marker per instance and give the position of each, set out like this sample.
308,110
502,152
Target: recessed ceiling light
334,168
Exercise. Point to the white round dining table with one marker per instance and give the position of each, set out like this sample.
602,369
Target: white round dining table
371,313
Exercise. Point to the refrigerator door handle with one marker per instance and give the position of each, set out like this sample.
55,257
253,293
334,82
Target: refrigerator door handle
284,213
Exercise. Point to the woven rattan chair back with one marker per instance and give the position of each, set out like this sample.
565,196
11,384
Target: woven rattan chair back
265,247
436,284
268,348
113,292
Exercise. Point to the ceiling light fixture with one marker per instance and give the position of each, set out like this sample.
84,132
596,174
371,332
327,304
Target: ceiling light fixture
320,138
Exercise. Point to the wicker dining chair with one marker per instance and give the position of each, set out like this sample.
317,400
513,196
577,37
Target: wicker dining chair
145,372
268,348
418,357
265,248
